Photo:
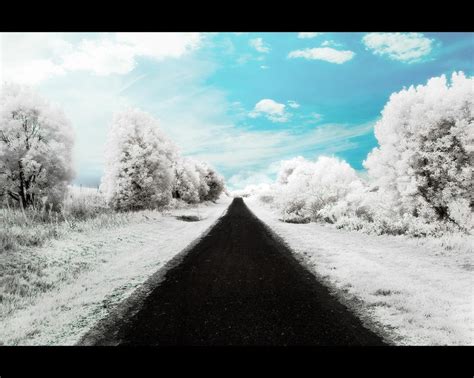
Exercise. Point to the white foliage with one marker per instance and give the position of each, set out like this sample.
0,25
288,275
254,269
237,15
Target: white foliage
36,142
143,169
304,188
212,180
138,162
316,185
420,178
424,162
186,181
287,167
203,189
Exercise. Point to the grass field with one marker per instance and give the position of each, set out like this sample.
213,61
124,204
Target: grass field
42,253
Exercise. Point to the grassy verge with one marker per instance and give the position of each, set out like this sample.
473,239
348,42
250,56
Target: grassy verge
25,270
51,294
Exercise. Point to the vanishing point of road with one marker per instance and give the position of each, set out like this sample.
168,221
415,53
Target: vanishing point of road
239,285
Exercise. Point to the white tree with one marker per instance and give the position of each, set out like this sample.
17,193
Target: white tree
138,163
186,181
215,183
203,189
424,163
211,183
304,188
36,142
287,167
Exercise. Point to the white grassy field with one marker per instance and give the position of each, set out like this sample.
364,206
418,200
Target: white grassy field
53,292
414,291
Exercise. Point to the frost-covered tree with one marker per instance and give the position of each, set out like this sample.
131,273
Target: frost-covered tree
203,188
216,185
287,167
311,186
186,181
138,163
211,183
424,163
36,142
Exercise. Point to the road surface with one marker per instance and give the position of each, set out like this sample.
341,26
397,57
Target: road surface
239,286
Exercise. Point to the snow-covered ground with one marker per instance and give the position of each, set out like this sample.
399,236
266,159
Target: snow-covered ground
412,291
111,264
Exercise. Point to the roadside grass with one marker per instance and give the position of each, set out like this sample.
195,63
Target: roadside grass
83,209
24,271
412,290
27,270
32,264
49,294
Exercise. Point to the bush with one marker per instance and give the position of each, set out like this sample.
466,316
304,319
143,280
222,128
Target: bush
294,211
267,198
84,203
424,161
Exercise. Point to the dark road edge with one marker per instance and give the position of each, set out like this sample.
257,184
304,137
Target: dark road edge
107,327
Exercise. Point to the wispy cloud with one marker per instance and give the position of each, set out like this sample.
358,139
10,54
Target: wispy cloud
308,34
259,45
331,43
104,55
327,54
404,47
246,149
293,104
271,109
130,83
256,154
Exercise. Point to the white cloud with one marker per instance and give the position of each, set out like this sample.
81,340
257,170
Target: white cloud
293,104
160,45
323,53
331,43
29,58
404,47
32,72
263,67
246,178
101,57
259,45
308,34
271,109
26,57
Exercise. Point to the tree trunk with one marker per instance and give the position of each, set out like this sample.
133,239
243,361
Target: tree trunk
23,200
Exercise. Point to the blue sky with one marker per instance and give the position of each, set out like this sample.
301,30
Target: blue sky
242,101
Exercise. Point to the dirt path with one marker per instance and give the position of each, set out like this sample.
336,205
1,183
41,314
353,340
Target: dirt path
238,286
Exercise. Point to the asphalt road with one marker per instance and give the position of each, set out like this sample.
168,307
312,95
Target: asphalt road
240,286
